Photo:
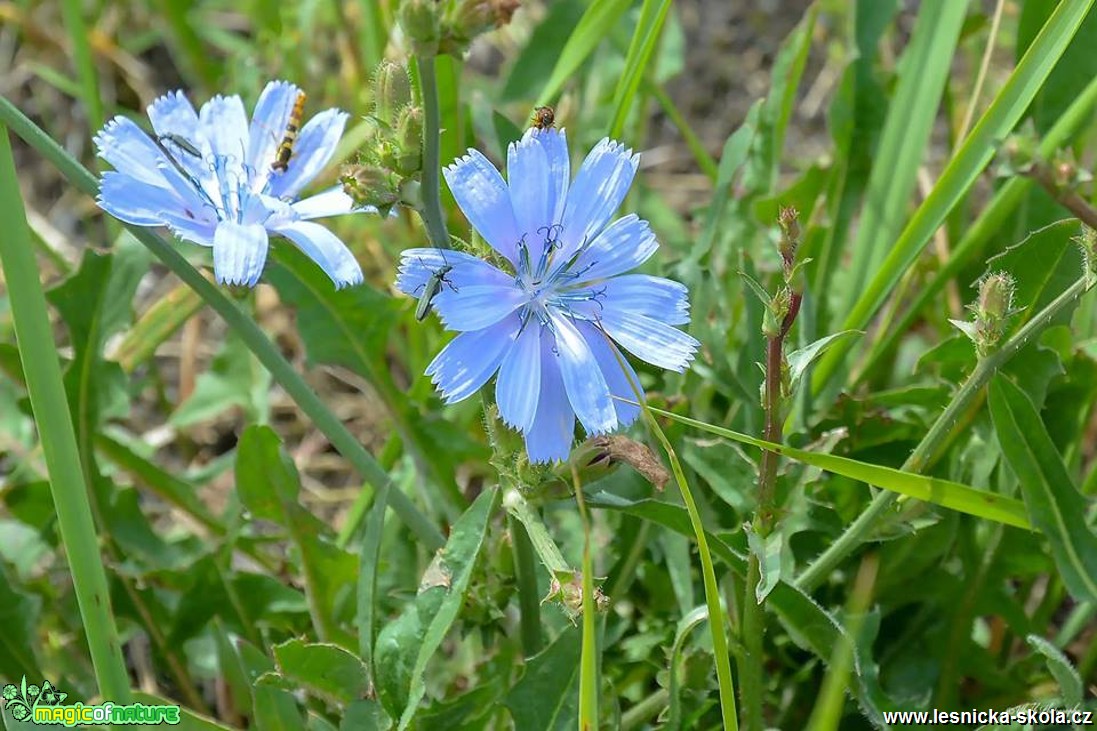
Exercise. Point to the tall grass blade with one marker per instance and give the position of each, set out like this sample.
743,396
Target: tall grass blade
49,403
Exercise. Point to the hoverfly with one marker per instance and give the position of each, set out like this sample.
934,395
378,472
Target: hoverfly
285,148
543,118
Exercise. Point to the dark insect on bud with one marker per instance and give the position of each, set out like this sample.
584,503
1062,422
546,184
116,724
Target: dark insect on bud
543,118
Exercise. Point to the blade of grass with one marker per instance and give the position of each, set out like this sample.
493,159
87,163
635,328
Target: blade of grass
54,423
588,659
721,656
959,175
945,493
255,339
923,72
592,28
373,34
700,155
648,29
73,13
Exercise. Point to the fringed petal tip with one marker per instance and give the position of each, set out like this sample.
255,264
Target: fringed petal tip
168,98
106,135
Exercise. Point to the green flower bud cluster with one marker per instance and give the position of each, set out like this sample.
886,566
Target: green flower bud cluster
392,158
449,26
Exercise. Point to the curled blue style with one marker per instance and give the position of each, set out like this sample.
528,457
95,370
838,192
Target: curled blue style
208,177
551,320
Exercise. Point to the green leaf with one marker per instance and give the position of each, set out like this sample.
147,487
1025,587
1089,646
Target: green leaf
596,23
1042,265
266,479
768,550
546,698
365,715
800,359
405,645
1054,504
1070,683
268,484
945,493
324,669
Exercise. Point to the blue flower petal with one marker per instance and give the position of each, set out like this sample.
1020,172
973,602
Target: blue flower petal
617,371
586,387
172,115
529,183
475,306
555,145
649,339
326,249
599,188
655,297
197,231
130,150
470,359
312,151
224,123
519,383
268,126
134,201
419,265
484,199
622,246
332,202
553,429
239,253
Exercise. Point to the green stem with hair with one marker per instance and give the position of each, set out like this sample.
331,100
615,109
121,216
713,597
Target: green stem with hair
431,191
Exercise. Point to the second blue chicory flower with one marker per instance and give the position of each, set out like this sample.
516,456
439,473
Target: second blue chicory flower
541,322
210,177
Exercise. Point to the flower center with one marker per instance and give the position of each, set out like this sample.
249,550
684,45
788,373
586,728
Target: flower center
551,282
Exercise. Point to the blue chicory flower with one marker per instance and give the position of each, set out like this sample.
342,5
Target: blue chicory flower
208,177
542,323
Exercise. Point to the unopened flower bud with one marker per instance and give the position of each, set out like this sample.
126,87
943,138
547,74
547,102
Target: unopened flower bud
409,135
995,296
566,587
391,90
369,185
992,310
789,221
422,24
1018,155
